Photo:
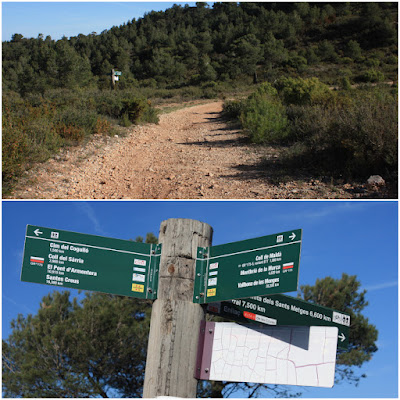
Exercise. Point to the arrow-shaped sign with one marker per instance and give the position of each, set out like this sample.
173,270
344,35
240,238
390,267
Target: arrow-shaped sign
279,309
88,262
264,265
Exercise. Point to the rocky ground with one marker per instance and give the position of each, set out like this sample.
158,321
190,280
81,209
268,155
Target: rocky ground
191,154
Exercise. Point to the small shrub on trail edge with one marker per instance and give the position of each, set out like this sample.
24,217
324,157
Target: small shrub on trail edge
264,120
262,115
232,109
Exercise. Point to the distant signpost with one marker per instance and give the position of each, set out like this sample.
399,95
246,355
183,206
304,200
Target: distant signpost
279,309
254,267
75,260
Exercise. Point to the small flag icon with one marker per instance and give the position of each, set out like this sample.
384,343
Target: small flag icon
249,315
38,260
288,265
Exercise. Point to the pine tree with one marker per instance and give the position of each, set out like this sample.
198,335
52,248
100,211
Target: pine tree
78,349
344,295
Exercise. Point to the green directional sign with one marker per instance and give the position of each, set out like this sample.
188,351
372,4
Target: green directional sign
117,73
254,267
79,261
279,309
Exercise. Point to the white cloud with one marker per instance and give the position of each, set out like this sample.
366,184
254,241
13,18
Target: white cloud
380,286
91,215
326,209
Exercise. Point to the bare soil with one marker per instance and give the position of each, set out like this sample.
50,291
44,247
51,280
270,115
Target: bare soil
191,154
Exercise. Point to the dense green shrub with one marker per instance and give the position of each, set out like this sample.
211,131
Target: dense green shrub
262,115
264,120
392,59
353,50
265,89
297,62
300,91
15,146
148,114
232,109
351,133
372,75
345,83
326,51
355,140
372,62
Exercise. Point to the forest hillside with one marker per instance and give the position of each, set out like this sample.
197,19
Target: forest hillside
194,45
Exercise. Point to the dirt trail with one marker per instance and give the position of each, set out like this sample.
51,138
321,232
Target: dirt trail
190,154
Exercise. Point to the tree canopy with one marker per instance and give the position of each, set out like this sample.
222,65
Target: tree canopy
344,295
96,346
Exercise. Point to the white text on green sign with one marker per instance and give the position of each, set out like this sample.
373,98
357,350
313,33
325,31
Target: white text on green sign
254,267
90,262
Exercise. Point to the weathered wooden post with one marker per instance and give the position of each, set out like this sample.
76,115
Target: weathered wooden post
175,319
113,80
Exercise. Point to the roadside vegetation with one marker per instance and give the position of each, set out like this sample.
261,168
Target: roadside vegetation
349,133
57,93
36,126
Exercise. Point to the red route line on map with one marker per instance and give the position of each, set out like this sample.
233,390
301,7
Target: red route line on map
276,357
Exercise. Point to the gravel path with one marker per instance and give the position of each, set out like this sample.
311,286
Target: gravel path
190,154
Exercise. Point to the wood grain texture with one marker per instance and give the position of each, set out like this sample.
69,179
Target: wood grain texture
175,319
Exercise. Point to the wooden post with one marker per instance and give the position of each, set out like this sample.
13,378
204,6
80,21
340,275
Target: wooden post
112,79
175,319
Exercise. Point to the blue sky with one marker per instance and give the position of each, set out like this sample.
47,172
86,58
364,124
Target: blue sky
358,238
59,19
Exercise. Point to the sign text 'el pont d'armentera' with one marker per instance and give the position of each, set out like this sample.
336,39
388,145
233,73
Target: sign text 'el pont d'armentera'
254,267
89,262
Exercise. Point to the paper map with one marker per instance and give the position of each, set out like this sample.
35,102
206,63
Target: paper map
294,355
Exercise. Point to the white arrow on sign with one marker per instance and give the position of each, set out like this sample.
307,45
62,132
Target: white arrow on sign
37,232
342,337
292,236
